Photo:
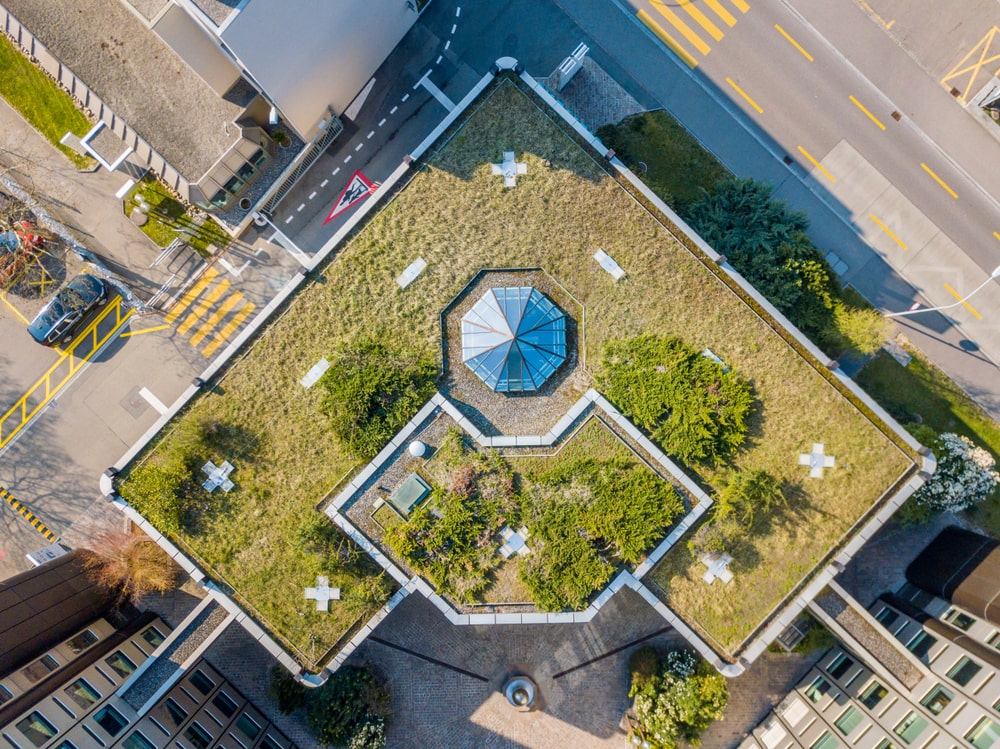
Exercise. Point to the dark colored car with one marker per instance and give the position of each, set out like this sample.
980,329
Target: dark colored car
60,319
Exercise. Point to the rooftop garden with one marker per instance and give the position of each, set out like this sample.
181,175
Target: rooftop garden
265,537
169,219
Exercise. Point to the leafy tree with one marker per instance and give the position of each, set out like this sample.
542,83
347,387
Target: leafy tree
768,245
339,710
130,565
860,328
965,476
371,390
371,735
288,693
747,495
693,408
677,705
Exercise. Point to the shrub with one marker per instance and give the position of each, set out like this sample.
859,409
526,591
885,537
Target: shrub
340,709
643,666
156,491
371,390
720,534
747,495
288,693
768,245
863,329
680,702
130,565
371,734
695,409
964,476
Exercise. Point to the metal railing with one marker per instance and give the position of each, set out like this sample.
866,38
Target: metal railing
309,156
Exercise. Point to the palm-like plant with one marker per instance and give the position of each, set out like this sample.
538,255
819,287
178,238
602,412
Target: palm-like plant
130,565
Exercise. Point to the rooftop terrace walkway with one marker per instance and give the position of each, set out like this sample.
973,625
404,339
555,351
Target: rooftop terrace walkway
138,76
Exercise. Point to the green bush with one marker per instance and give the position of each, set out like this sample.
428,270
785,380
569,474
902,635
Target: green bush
691,406
863,329
371,391
156,491
748,495
680,702
351,698
768,245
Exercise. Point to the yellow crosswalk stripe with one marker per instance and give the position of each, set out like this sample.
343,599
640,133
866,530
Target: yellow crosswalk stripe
191,294
678,23
721,12
224,309
664,37
204,306
228,330
741,6
702,19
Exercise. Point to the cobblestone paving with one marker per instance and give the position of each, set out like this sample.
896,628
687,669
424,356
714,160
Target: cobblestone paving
594,97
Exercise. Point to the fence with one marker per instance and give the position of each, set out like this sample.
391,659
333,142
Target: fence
90,101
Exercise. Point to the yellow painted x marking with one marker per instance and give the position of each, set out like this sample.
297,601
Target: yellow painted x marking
972,70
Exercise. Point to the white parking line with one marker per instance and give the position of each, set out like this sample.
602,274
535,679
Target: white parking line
380,124
312,195
299,209
153,401
324,183
436,93
289,219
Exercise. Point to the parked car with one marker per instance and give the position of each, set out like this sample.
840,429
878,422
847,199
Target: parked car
61,319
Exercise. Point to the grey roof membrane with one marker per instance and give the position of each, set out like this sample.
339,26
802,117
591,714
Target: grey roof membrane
514,338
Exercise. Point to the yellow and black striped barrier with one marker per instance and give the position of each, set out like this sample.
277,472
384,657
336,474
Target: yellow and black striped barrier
37,524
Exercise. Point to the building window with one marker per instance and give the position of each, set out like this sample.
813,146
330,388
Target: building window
82,693
886,617
826,741
137,741
82,641
40,668
910,727
120,663
849,720
176,713
152,636
937,699
252,165
65,745
885,744
984,735
110,720
36,728
817,689
872,695
198,736
201,682
957,619
248,726
4,694
920,643
963,671
839,666
917,596
225,704
269,742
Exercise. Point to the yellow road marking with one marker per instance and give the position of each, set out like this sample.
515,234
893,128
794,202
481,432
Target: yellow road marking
964,304
204,306
15,310
678,23
743,93
27,514
224,309
721,12
664,37
887,230
129,333
228,330
996,234
939,180
973,70
702,19
191,294
889,25
50,383
872,117
816,164
740,5
793,42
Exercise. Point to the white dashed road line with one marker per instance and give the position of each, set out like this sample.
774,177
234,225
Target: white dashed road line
393,110
454,26
380,124
359,147
324,183
334,172
289,219
312,195
440,58
405,97
447,44
458,11
349,157
299,209
369,136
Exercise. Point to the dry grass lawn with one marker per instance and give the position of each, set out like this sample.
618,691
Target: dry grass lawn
458,217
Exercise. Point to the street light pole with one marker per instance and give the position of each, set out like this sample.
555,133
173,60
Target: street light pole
993,276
